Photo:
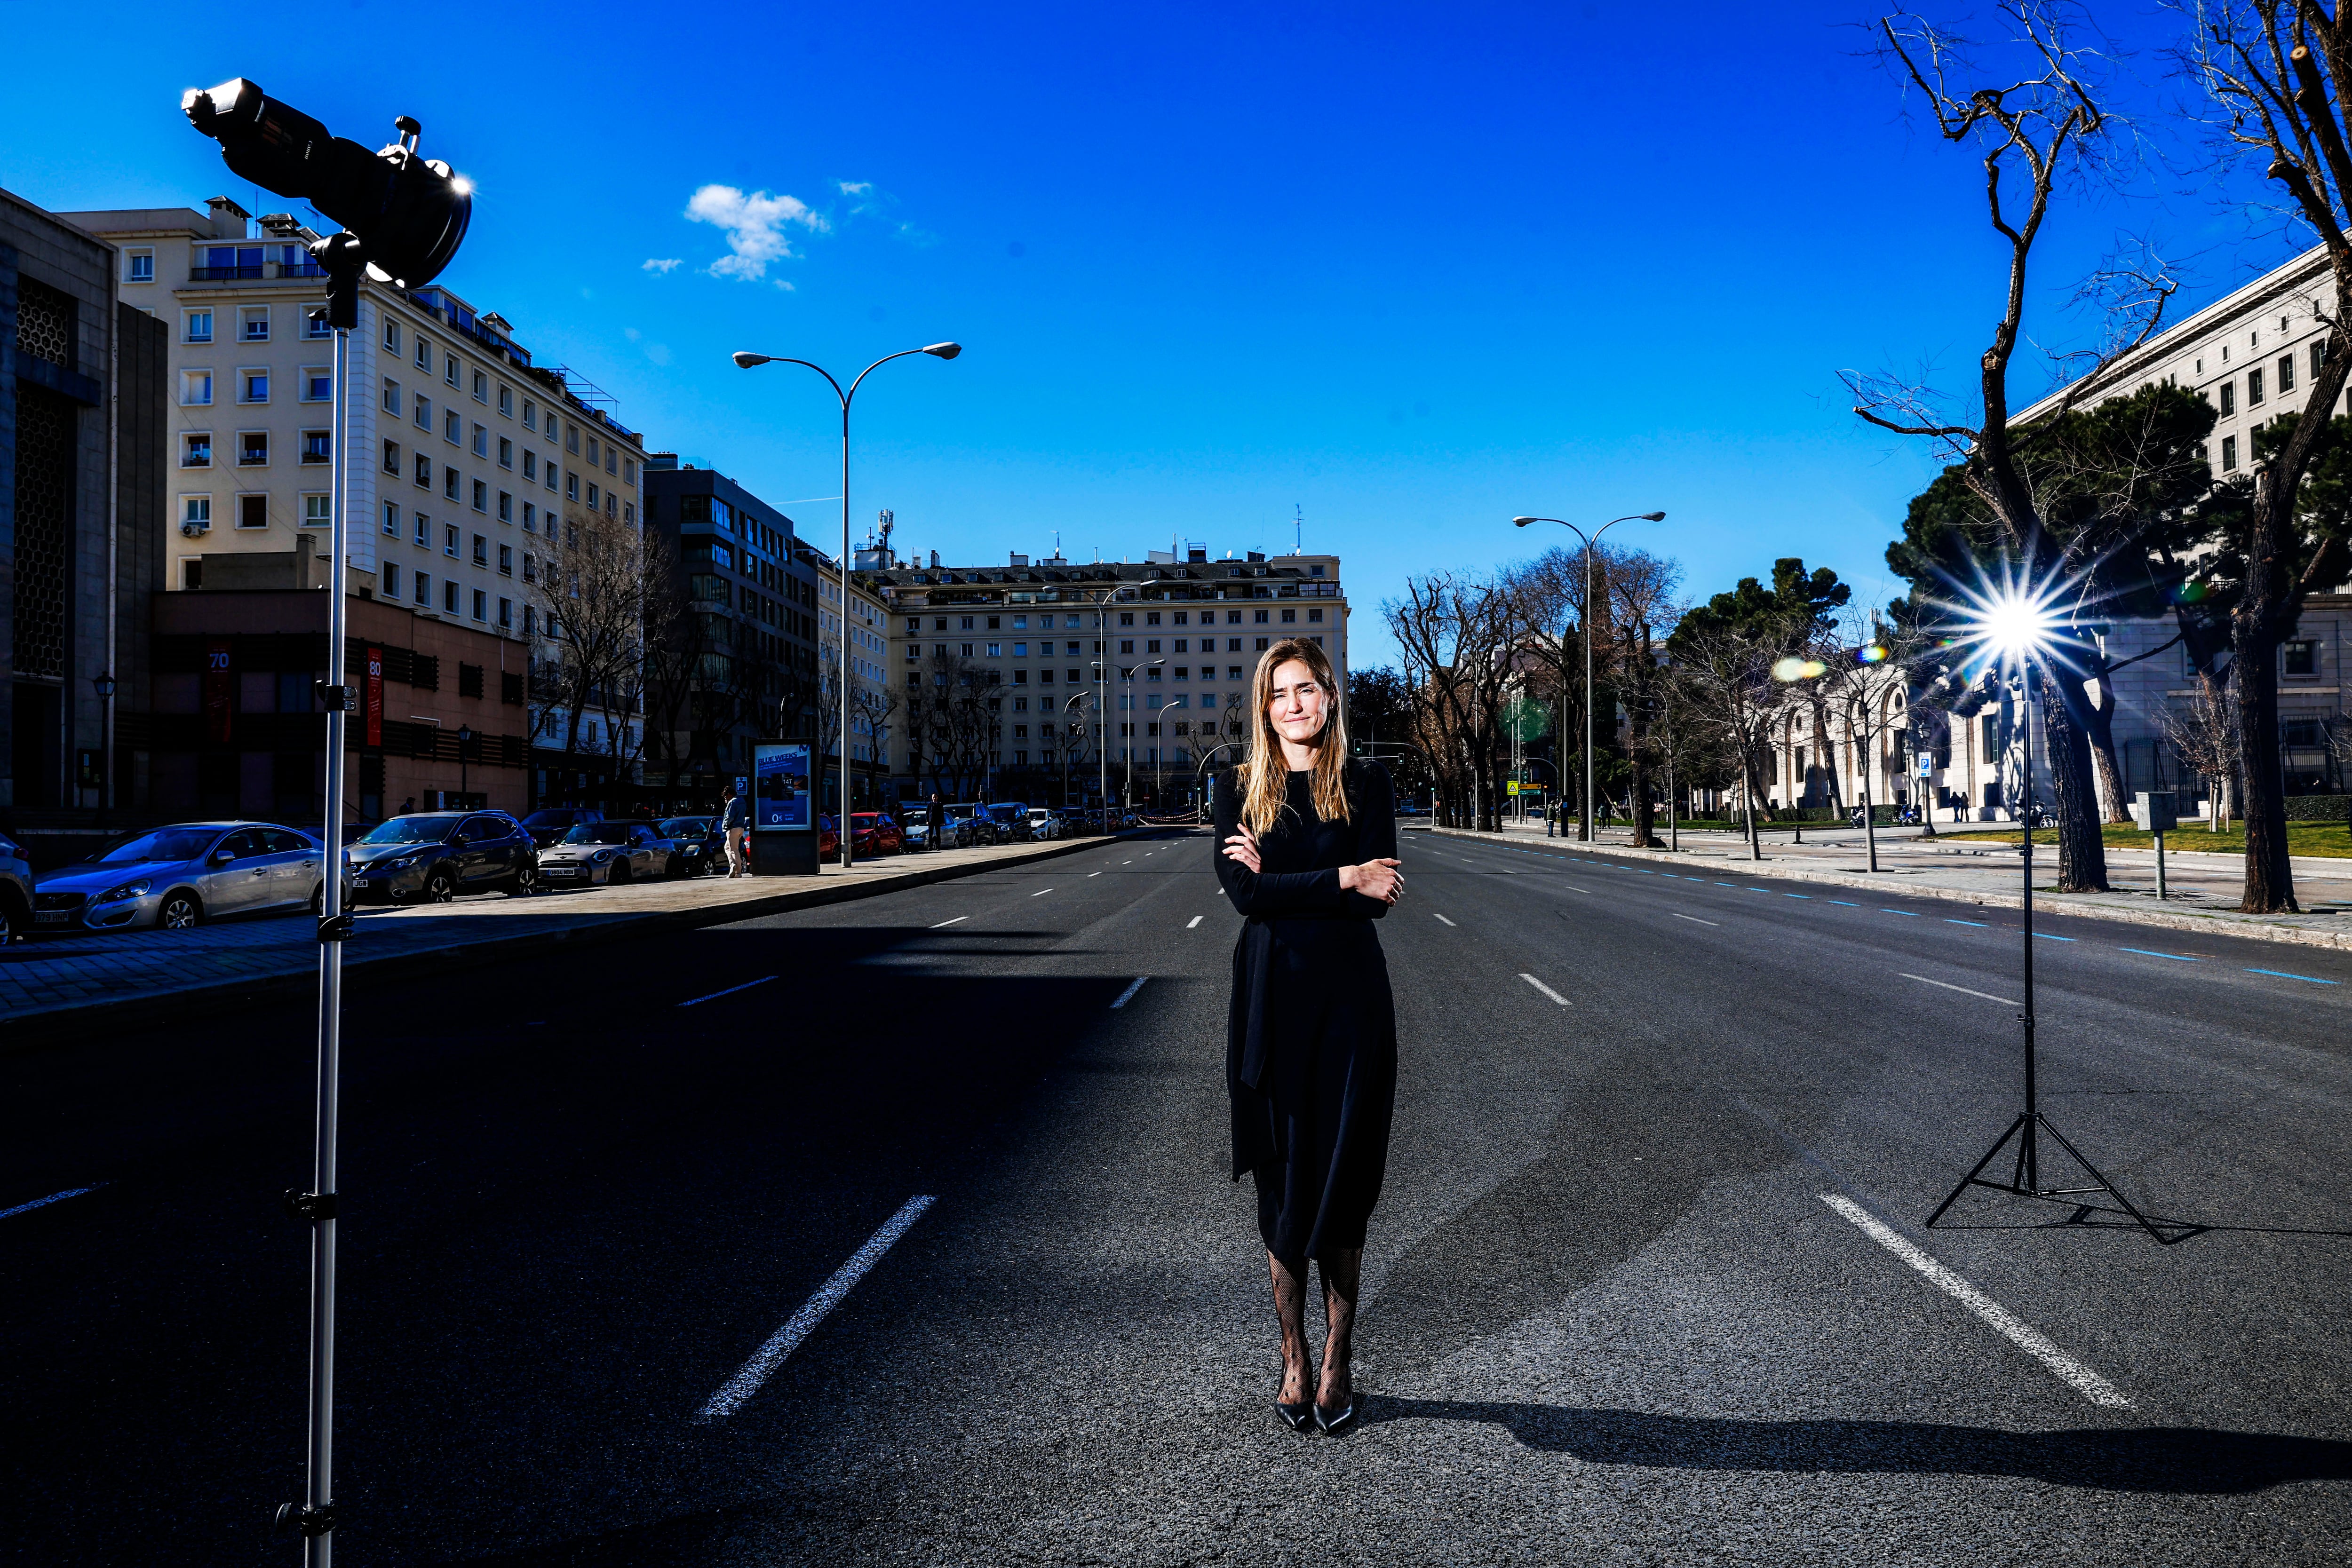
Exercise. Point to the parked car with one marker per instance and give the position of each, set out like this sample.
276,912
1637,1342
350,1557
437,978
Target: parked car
180,876
430,857
700,839
1012,820
15,891
973,825
598,854
549,826
1043,824
875,835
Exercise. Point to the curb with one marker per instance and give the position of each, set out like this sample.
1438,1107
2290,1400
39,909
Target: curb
2237,925
43,1026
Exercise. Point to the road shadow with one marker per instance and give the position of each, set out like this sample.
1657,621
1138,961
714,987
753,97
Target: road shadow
2184,1459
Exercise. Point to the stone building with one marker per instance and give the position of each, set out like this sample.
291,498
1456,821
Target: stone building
81,405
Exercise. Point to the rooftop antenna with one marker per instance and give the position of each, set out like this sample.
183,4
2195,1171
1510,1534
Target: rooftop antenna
1298,529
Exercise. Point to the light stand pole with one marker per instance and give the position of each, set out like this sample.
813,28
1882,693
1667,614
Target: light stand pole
745,360
1592,543
2025,1177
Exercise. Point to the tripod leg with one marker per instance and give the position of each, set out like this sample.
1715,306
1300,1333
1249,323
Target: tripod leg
2104,1184
1969,1179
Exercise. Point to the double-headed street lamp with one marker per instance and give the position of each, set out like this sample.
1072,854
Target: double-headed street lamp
746,360
1126,742
1591,542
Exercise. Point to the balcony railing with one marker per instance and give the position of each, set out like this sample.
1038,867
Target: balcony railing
254,273
222,274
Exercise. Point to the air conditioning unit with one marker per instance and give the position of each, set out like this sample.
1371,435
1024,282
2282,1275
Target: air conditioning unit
195,530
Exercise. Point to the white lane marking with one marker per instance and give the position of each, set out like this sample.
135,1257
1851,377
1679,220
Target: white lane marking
1194,921
770,1356
1127,862
1693,918
727,992
1041,893
1547,991
1129,994
1094,873
1441,917
53,1198
951,921
1962,989
2081,1378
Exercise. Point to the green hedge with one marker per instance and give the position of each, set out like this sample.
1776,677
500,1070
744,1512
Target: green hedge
2318,808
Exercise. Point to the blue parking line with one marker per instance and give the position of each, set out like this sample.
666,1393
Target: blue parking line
2046,936
2147,952
1912,914
1949,920
1849,903
1796,896
2283,975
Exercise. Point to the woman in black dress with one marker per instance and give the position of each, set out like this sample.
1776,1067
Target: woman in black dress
1308,855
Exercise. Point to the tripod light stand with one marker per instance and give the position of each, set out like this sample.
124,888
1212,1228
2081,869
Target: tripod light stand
2015,626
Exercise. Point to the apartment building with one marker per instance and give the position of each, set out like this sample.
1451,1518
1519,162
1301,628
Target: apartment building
1153,658
472,470
876,707
753,618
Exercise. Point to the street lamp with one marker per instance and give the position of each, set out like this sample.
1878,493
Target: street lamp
1125,747
403,217
2017,627
746,360
1591,541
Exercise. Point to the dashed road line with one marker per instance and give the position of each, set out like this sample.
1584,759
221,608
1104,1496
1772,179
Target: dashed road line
728,991
1041,893
787,1339
1547,991
45,1202
2033,1342
958,918
1949,920
1194,921
1127,995
2283,975
1962,989
1692,918
2150,953
1440,918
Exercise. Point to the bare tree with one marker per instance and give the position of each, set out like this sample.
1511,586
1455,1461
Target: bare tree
1733,699
594,603
2206,733
1457,633
2041,124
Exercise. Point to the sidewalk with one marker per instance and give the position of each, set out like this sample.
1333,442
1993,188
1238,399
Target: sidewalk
2201,890
79,984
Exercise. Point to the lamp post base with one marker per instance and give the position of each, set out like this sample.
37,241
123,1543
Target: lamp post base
2025,1177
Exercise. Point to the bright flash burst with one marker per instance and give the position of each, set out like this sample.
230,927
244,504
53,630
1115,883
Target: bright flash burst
2005,619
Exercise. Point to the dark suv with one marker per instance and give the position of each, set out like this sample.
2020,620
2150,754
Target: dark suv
430,857
549,826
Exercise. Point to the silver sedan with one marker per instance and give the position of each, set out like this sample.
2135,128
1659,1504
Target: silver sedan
597,854
180,876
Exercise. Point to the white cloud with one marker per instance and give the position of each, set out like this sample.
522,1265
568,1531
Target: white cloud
665,264
755,224
856,187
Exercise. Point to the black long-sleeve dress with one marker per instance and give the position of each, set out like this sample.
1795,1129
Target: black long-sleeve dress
1310,1052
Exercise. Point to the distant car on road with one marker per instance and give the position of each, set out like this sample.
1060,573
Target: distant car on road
597,854
549,826
699,839
178,877
1043,824
15,891
1013,821
972,824
430,857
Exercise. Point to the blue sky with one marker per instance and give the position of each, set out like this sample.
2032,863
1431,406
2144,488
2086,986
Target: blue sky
1409,271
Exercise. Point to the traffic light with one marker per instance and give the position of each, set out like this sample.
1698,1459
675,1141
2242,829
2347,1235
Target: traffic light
409,213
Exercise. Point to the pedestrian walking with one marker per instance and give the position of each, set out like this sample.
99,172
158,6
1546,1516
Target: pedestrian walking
935,820
1308,854
735,817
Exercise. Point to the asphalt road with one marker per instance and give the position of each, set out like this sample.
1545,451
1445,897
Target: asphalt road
1647,1284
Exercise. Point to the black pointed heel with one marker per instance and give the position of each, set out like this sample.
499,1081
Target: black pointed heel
1296,1417
1335,1422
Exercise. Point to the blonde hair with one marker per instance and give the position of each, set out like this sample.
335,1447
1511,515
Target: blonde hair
1264,776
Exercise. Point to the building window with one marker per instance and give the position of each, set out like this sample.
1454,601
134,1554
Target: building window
550,476
318,510
506,506
314,322
629,514
449,592
2228,397
481,550
253,386
1259,617
451,540
392,457
253,448
571,439
2254,387
628,471
530,518
505,401
318,446
391,580
196,514
424,531
482,387
2318,358
572,487
506,453
391,336
1314,614
1290,615
255,327
2286,372
423,354
1261,644
505,561
481,497
506,624
142,266
592,497
481,605
392,518
481,441
449,373
423,412
196,449
530,464
196,389
424,590
450,479
425,471
529,414
2300,657
2229,453
530,568
252,511
453,430
197,326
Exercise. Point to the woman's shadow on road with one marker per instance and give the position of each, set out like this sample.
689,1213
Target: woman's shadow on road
2189,1460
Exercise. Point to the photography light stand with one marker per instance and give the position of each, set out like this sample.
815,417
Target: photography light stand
2030,1125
